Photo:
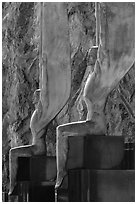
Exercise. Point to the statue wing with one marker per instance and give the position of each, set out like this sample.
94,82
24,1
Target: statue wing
56,71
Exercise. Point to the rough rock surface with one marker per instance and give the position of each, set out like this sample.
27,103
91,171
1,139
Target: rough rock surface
20,74
20,52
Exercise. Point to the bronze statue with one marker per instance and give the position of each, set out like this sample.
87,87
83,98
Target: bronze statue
115,56
55,81
115,39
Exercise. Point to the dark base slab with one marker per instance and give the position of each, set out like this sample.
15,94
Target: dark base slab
35,179
101,185
36,168
95,152
42,193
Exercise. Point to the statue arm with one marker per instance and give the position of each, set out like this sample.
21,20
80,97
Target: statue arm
44,90
44,71
35,118
39,110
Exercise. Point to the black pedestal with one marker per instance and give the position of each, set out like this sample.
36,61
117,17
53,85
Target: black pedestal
36,179
100,169
101,185
42,192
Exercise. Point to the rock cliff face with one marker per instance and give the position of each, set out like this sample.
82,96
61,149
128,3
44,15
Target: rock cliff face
20,52
20,73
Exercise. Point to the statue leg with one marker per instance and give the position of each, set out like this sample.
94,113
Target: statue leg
81,128
61,155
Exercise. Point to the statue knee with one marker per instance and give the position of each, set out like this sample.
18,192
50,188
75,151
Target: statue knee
59,131
13,153
10,152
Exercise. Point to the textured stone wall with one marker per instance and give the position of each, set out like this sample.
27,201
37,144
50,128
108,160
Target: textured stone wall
20,50
20,74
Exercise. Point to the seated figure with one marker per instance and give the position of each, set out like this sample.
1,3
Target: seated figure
115,56
55,81
37,147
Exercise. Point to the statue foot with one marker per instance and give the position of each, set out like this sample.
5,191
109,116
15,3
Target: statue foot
60,179
10,193
12,190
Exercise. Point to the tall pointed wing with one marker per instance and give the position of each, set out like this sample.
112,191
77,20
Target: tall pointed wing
56,72
116,52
